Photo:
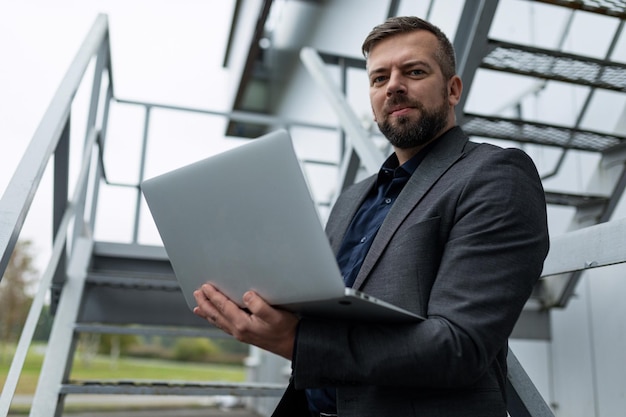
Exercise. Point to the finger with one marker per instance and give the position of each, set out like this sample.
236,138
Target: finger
263,312
201,302
212,294
272,329
210,302
259,307
224,305
207,310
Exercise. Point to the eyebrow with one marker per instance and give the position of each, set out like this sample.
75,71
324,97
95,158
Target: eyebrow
407,64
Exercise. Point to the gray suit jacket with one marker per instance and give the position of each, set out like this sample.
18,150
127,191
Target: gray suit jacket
463,245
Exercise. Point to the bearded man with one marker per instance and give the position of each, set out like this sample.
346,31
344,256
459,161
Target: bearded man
452,230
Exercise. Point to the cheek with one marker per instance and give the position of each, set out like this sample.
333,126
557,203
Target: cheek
377,104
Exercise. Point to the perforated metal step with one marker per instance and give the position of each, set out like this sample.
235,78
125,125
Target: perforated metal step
575,200
150,387
123,281
554,65
133,284
523,131
614,8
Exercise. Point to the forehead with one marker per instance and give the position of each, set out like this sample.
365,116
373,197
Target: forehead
419,45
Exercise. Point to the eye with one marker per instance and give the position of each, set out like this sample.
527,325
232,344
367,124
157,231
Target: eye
379,79
417,72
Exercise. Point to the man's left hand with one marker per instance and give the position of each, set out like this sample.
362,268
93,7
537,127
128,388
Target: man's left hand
262,325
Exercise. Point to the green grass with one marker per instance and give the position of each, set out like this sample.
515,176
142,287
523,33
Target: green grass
128,368
104,368
30,371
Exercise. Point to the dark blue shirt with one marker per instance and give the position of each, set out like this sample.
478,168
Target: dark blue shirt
358,240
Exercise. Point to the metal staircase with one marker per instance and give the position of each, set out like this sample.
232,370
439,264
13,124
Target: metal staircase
597,204
97,286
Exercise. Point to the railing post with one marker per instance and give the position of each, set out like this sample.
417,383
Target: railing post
59,207
523,399
470,43
142,171
101,64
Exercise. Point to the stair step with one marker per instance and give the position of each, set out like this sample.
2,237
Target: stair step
554,65
207,331
134,259
151,387
523,131
122,281
121,299
607,8
575,200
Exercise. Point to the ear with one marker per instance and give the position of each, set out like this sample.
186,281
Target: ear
455,89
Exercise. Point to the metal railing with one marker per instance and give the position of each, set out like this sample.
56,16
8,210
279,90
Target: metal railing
74,218
52,138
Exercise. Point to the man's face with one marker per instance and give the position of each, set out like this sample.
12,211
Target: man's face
411,100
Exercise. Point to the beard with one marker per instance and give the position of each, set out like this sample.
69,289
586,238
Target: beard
408,133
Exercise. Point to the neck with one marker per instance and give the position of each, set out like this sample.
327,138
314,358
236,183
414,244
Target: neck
408,153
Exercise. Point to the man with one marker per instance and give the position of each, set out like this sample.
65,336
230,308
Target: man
452,230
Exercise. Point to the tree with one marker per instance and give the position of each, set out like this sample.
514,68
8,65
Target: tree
14,298
196,349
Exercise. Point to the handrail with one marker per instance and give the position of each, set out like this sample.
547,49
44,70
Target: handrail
8,391
20,192
16,201
235,115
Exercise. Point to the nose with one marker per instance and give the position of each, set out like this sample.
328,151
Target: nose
396,84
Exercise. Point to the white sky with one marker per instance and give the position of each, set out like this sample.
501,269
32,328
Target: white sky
163,51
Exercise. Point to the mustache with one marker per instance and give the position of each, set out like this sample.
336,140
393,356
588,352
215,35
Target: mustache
399,100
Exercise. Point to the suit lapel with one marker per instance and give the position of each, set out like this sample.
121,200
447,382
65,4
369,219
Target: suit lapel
440,158
353,199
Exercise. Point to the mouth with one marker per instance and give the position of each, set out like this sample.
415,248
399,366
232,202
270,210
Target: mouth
399,111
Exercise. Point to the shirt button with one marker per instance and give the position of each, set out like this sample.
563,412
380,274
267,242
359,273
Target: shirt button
388,200
363,239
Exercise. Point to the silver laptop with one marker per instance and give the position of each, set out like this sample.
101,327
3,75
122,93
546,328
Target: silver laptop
244,220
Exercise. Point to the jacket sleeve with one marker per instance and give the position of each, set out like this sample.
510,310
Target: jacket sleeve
496,243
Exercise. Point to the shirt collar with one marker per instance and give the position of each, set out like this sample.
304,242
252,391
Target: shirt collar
391,169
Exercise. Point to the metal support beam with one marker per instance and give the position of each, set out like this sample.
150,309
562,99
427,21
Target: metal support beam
371,157
57,362
470,43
